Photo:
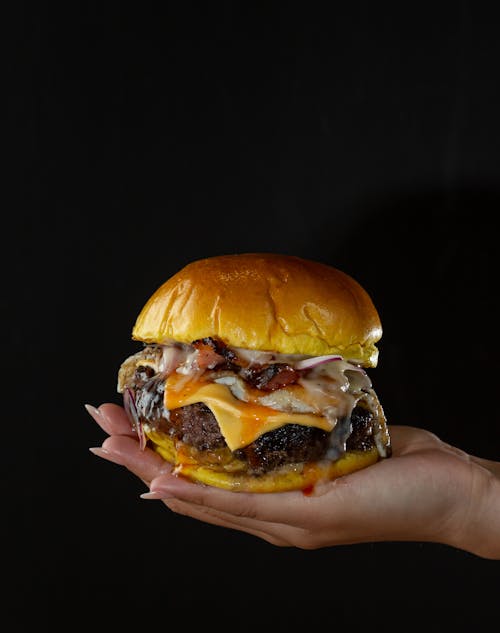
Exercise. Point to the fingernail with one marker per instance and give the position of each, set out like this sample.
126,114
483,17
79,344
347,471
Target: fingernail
150,495
155,494
98,450
94,412
102,452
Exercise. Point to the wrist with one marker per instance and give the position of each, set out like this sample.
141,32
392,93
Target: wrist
476,524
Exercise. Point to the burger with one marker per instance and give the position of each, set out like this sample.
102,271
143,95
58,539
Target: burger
252,373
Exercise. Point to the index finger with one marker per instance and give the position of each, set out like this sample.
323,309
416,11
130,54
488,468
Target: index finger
112,419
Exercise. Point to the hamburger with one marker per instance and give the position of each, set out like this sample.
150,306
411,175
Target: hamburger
252,373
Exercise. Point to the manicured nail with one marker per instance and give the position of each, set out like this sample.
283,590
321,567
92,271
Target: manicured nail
99,451
155,494
102,452
150,495
94,412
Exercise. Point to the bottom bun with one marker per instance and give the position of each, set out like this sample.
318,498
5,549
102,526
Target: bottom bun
290,477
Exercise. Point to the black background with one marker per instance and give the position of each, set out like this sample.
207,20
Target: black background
144,137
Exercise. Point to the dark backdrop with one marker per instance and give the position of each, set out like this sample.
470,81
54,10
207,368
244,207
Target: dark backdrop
143,137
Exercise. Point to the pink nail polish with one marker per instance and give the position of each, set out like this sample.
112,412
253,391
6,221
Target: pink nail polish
156,494
150,495
105,454
99,451
93,412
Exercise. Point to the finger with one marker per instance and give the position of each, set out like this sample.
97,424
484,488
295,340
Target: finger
145,463
112,419
408,439
279,507
267,532
243,518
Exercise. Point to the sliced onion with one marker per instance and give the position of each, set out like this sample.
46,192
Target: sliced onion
236,385
131,409
308,363
171,358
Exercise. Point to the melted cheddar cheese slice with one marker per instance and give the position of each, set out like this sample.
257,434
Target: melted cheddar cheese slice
241,423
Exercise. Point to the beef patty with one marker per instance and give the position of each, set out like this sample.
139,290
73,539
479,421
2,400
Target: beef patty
196,426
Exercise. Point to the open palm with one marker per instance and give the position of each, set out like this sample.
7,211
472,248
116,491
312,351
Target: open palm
427,491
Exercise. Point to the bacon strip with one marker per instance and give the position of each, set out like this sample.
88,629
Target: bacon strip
271,377
212,353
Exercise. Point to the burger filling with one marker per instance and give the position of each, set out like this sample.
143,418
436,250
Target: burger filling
251,411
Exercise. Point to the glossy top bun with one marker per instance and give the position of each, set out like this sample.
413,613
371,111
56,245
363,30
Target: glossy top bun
267,302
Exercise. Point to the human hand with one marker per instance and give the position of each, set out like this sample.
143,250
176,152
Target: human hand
427,491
